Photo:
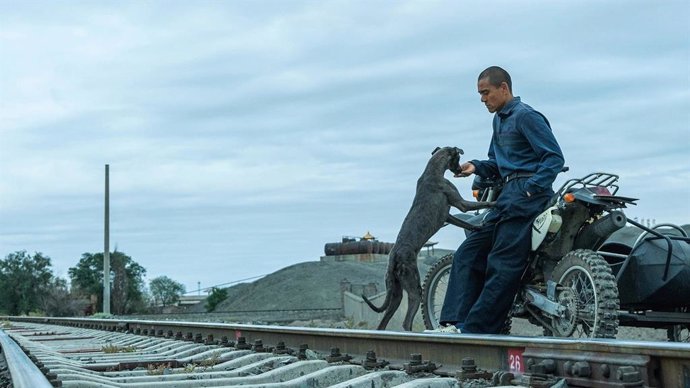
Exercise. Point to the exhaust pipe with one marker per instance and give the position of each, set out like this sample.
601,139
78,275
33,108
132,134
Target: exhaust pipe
592,236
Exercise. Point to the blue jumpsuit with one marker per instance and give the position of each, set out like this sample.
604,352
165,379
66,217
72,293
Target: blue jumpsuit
487,267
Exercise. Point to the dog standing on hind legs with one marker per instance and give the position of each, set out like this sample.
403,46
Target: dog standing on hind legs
430,210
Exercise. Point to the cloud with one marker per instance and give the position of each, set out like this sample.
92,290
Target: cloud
244,136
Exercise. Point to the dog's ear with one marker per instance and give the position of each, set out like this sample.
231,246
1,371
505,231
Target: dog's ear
460,151
436,149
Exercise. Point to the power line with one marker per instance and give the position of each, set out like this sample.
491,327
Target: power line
224,284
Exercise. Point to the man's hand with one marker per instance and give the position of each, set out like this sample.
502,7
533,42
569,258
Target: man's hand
466,169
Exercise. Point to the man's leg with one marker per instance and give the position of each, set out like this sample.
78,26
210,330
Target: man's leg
505,265
508,258
466,276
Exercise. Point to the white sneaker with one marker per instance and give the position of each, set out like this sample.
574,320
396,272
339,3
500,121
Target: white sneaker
444,329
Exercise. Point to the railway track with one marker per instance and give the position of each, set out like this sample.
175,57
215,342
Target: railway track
78,352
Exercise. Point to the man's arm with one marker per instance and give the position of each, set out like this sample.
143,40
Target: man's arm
540,136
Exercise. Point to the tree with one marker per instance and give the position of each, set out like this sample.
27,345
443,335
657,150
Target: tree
165,291
23,279
217,295
127,285
58,302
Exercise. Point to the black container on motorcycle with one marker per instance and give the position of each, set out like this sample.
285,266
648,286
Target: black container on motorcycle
487,188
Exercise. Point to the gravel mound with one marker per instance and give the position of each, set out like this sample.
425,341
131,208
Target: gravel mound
307,285
310,285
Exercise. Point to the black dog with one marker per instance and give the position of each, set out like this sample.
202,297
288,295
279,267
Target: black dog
430,210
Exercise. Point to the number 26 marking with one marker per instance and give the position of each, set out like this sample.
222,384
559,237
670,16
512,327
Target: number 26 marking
515,360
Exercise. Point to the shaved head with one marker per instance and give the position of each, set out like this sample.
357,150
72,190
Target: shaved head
496,77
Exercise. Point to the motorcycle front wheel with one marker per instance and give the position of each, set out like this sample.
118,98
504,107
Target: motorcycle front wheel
588,291
434,291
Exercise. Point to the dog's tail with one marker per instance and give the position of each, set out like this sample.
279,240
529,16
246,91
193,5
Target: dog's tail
383,307
391,283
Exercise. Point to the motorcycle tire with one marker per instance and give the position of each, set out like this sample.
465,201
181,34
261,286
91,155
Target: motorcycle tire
680,332
434,292
588,289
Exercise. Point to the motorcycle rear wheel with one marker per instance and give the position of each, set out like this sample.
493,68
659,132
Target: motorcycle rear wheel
679,333
588,291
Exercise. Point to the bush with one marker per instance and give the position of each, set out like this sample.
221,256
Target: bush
217,296
102,316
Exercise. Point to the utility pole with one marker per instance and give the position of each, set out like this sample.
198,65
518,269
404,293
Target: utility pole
106,249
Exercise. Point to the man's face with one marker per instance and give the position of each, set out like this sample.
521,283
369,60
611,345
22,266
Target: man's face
493,97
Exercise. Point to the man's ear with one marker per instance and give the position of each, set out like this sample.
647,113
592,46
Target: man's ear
436,149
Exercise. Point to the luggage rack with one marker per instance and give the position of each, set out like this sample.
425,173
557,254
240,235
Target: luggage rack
600,179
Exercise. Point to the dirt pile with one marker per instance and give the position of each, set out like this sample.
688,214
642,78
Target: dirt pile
310,285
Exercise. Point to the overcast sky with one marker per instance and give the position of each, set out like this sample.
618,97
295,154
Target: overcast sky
244,135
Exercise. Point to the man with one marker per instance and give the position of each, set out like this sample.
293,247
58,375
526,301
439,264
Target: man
488,265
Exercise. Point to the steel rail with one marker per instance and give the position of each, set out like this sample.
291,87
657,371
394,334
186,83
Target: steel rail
583,362
24,373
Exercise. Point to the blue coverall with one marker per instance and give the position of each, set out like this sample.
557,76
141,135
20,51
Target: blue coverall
487,267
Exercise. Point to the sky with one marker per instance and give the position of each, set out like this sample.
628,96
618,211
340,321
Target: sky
242,136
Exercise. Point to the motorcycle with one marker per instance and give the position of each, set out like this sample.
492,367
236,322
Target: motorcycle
584,275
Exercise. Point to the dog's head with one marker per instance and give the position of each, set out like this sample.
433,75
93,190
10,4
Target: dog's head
453,154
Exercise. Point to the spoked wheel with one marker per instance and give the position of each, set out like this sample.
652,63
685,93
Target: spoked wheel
434,291
679,333
589,294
